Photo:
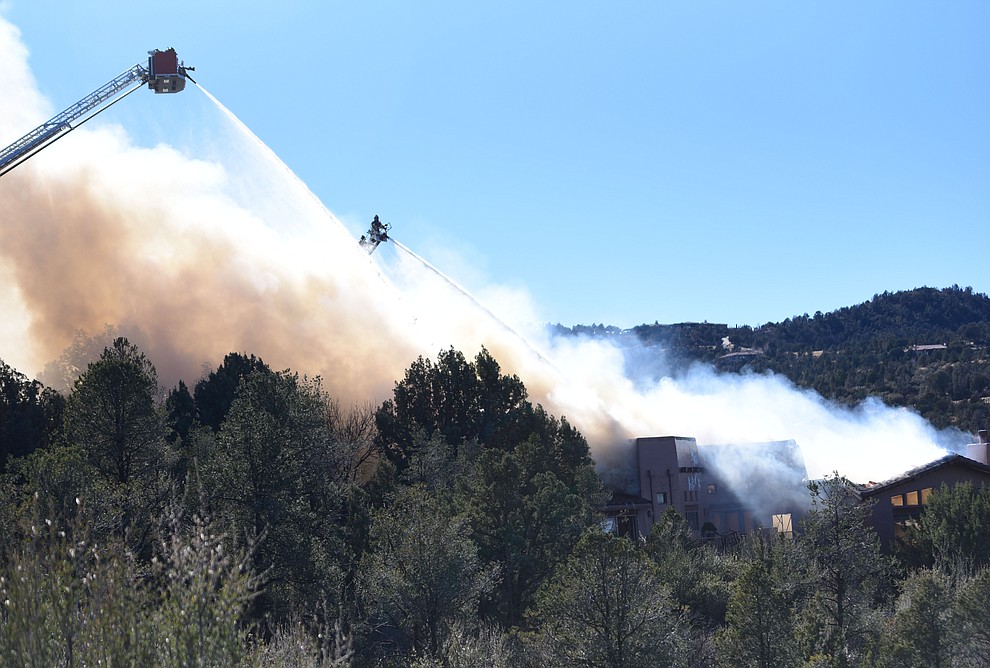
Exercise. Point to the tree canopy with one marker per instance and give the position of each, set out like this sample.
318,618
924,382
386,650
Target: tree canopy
255,521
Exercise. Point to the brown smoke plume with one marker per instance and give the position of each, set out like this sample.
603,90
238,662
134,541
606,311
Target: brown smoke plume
96,231
82,257
194,258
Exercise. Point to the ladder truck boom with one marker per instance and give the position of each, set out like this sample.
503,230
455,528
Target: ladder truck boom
163,74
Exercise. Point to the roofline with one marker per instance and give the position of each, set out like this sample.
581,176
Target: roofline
913,474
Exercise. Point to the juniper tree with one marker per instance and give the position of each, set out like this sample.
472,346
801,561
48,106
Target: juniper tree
850,574
607,607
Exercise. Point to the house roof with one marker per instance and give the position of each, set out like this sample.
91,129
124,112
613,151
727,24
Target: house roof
954,459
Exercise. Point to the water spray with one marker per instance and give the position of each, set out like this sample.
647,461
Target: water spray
265,150
477,303
314,302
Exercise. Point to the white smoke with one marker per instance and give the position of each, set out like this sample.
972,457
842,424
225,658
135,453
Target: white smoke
870,441
197,255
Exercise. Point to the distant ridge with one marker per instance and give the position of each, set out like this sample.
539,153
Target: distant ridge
927,349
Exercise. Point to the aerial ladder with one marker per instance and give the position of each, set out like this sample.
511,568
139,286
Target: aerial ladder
163,74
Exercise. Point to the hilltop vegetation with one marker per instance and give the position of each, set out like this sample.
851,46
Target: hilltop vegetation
925,349
249,519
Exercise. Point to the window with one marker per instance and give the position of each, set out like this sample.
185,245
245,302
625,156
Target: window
925,493
911,498
711,488
782,524
692,519
661,498
897,500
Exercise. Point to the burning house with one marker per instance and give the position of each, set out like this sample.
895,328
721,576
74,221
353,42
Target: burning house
721,490
898,503
725,490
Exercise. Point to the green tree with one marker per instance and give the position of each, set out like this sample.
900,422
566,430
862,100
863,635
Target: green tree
699,578
51,477
607,607
30,414
527,508
276,470
181,425
849,572
759,625
956,526
112,415
422,576
437,466
921,634
214,394
453,399
971,610
61,374
525,479
180,410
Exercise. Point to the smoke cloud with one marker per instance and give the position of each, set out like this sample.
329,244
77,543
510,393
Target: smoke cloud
196,256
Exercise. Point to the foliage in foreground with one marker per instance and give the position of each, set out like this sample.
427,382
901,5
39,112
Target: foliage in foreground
455,526
69,599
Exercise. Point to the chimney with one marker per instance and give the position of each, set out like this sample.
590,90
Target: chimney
980,451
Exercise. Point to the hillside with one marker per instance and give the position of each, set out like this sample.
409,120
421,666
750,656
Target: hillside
927,349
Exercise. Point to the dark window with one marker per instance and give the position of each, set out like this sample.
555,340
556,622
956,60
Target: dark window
628,527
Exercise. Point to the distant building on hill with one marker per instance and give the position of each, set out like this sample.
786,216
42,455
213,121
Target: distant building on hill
926,348
736,360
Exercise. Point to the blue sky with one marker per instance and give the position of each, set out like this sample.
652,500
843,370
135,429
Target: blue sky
623,162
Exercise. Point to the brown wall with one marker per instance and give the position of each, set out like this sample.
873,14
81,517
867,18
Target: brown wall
674,472
888,518
659,477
